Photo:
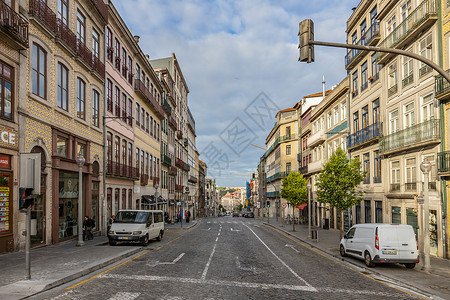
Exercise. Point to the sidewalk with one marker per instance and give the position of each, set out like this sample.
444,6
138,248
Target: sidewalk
54,265
436,282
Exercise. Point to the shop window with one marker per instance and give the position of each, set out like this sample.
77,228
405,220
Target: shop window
5,203
378,212
367,211
61,146
124,199
396,215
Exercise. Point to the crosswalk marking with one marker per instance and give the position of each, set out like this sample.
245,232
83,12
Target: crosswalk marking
124,296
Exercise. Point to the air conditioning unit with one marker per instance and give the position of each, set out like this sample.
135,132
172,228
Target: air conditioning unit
186,189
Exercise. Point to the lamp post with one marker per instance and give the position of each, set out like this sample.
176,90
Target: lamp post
80,161
425,167
308,186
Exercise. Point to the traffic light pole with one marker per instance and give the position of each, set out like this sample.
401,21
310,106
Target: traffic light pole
387,50
27,244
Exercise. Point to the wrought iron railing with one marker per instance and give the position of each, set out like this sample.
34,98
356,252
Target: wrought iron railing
426,131
192,179
425,10
394,187
84,52
140,87
98,66
366,38
441,85
173,170
118,169
179,162
425,69
14,23
444,161
173,123
102,8
392,90
40,10
167,107
66,35
144,179
178,187
166,159
179,134
273,194
411,186
365,134
408,80
303,170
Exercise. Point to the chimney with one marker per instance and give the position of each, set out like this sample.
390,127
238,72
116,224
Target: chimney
323,86
136,39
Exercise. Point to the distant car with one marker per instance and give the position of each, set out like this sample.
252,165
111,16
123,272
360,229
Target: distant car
241,214
235,214
250,214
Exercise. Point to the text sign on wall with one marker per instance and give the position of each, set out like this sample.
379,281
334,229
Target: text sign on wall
5,162
8,137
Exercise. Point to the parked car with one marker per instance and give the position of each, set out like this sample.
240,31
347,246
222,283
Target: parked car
235,214
250,214
381,243
136,226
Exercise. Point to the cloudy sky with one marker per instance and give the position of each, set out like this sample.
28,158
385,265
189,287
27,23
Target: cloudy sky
240,61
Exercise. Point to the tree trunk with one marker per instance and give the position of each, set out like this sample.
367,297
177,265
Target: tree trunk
293,218
341,227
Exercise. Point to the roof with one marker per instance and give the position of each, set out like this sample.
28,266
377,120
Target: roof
287,109
318,94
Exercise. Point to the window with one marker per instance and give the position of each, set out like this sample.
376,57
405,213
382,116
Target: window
377,167
373,15
288,149
130,69
427,108
376,111
109,96
117,102
395,176
390,25
124,62
408,75
81,99
142,118
109,44
355,83
124,198
130,113
147,122
409,115
354,38
63,98
343,110
146,163
117,150
411,174
137,158
288,168
336,115
405,9
392,79
109,148
39,72
117,51
138,113
81,27
355,121
364,78
367,211
95,108
6,91
393,121
365,116
124,153
142,162
130,155
375,67
95,43
426,50
363,27
62,11
366,166
124,107
61,146
138,72
330,121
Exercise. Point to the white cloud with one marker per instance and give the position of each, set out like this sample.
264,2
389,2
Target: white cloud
230,51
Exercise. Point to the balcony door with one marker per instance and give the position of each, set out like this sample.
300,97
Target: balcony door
409,122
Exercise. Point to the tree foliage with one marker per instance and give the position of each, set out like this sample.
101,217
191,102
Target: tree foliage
294,190
337,182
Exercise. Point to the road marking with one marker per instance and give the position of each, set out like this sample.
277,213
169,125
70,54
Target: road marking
211,282
279,259
124,296
209,262
153,264
292,247
234,229
207,229
208,222
217,239
238,265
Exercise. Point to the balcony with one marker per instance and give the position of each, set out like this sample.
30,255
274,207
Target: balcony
370,38
274,144
179,162
120,170
178,187
98,66
155,180
412,137
166,107
101,8
444,163
314,167
408,80
44,14
418,20
424,70
299,157
365,136
166,160
410,186
172,123
173,171
140,87
303,170
442,87
187,167
288,137
14,28
64,34
394,187
144,179
192,179
392,90
179,134
273,194
84,53
317,138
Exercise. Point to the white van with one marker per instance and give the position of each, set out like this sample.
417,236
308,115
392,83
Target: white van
136,226
381,243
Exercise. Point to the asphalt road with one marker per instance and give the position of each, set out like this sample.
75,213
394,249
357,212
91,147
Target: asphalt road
228,258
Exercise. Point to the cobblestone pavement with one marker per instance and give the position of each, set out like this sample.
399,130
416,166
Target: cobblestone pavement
230,258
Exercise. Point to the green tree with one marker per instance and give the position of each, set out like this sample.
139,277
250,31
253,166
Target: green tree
294,190
337,182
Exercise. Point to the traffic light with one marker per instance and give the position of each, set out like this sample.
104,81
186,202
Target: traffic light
25,198
268,203
306,35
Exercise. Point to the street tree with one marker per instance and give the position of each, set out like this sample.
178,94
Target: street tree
294,190
338,181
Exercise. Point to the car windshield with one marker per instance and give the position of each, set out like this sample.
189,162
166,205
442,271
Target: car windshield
139,217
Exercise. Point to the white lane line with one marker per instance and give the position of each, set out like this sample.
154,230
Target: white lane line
217,239
207,229
209,262
292,247
157,263
238,265
211,282
234,229
124,296
279,259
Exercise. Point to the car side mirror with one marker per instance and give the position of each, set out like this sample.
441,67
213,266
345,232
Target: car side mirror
345,236
148,224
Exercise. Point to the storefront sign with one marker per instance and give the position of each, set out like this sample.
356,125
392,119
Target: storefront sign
5,162
8,137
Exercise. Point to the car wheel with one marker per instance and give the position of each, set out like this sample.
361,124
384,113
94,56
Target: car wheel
410,265
145,241
112,243
368,260
342,251
160,235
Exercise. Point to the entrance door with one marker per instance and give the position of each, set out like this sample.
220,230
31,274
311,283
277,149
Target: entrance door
37,236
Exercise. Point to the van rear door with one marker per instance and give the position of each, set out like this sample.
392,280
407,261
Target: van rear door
389,242
407,242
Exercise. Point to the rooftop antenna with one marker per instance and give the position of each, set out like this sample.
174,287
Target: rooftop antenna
323,86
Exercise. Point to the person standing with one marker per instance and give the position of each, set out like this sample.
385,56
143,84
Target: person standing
87,228
110,221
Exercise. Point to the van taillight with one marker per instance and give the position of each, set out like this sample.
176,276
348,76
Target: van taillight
377,242
417,245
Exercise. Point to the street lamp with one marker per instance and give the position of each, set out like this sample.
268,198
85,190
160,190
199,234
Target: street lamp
80,161
425,167
308,186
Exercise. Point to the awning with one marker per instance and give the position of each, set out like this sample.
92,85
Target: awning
161,200
150,199
302,206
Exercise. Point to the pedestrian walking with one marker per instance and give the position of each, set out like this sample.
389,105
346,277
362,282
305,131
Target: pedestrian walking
110,221
87,228
187,215
166,217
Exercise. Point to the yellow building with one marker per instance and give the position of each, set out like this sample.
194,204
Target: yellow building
60,115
